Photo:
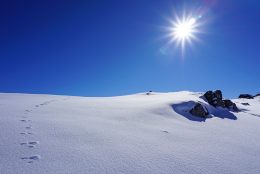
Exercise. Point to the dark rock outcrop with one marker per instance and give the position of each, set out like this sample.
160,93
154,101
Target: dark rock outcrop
247,96
199,110
216,99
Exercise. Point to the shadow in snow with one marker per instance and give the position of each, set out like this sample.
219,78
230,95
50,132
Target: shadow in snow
184,110
185,107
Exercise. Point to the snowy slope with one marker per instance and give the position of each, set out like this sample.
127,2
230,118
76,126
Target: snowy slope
144,134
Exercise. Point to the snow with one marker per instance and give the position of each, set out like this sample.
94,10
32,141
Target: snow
142,134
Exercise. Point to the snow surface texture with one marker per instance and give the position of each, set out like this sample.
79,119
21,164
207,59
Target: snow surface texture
134,134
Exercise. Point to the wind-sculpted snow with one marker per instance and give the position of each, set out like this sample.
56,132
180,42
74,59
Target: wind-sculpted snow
140,133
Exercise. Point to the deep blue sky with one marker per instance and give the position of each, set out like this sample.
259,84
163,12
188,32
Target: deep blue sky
107,48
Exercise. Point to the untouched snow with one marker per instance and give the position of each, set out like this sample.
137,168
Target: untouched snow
134,134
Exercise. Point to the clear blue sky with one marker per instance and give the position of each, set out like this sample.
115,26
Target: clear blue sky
107,48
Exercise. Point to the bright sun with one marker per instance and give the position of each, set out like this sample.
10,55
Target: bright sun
183,30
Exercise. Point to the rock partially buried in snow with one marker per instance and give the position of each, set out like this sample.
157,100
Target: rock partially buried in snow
247,96
230,105
149,93
199,110
216,99
257,95
245,104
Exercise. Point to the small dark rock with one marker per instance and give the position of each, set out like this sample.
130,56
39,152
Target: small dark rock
246,104
257,95
199,110
230,105
247,96
148,93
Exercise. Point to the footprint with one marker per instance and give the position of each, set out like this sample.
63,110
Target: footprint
34,142
30,144
28,127
165,131
26,133
31,158
23,120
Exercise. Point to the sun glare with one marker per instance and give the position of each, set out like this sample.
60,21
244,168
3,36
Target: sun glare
183,30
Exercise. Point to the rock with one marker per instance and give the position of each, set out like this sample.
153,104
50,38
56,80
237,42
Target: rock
199,110
220,103
209,95
246,104
258,94
214,98
148,93
218,94
230,105
247,96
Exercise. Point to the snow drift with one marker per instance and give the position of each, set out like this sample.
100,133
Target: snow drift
127,134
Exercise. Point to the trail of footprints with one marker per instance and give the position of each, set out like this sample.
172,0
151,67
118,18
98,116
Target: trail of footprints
28,132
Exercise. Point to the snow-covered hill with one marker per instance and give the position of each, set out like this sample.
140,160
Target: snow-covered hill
144,134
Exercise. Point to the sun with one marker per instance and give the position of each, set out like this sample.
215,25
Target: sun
183,30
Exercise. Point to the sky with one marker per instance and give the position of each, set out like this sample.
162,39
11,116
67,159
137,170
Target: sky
118,47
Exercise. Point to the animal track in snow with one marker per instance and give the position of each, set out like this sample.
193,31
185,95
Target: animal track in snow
23,120
32,158
30,144
47,102
26,133
33,142
28,127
